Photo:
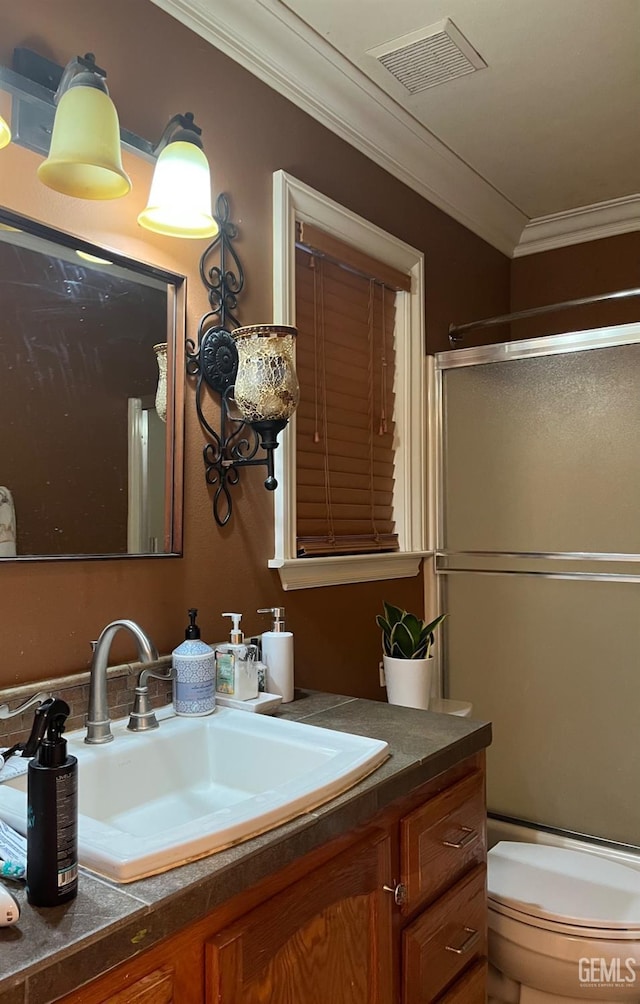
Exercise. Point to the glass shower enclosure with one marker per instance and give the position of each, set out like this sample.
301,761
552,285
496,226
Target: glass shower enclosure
538,563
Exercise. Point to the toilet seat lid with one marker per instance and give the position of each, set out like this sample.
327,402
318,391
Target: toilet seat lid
564,886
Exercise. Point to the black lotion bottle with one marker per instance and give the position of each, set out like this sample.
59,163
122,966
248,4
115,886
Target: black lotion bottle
52,814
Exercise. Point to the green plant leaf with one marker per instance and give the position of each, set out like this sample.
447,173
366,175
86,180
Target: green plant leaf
422,652
392,614
385,627
414,626
405,636
402,639
383,624
430,628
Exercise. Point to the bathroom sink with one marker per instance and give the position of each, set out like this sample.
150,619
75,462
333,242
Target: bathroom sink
153,800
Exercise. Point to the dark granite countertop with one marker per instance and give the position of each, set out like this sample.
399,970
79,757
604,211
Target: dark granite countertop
51,952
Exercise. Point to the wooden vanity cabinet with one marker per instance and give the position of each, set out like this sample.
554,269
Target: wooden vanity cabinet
394,913
326,938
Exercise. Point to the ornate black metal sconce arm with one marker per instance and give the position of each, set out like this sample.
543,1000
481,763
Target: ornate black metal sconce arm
237,443
214,364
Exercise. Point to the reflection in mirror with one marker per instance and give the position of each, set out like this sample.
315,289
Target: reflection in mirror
88,468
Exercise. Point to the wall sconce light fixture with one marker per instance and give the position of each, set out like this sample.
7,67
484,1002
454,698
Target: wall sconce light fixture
180,197
84,158
68,116
251,369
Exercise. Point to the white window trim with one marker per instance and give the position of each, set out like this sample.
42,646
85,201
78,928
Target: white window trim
294,201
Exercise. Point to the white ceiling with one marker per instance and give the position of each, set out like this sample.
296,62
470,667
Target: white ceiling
553,122
515,151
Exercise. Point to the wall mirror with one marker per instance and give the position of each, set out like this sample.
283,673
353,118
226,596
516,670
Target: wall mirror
90,461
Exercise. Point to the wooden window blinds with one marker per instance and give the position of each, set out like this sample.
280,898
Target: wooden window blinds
345,359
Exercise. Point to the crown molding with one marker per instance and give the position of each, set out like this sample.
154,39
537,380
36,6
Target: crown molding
576,226
275,45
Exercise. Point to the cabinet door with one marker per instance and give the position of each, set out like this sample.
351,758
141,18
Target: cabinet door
324,940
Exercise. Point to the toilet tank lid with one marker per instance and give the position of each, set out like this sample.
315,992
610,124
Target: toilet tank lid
563,885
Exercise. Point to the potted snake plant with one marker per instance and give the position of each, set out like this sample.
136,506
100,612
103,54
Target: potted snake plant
407,642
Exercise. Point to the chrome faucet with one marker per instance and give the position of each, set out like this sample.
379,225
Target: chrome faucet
98,721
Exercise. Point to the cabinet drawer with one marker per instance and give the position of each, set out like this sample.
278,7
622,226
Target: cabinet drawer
471,988
444,940
442,840
156,988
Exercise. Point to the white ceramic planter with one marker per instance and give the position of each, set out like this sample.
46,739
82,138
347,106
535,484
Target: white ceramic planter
408,681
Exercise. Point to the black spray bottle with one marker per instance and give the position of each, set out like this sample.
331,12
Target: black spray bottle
52,814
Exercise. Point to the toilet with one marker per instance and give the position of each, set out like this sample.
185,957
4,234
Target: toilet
445,706
564,927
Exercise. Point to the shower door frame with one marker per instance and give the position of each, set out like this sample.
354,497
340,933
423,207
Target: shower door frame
596,566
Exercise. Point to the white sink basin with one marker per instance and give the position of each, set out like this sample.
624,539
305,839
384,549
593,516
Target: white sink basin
150,801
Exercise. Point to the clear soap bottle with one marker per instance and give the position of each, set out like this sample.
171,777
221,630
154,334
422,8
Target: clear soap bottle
236,665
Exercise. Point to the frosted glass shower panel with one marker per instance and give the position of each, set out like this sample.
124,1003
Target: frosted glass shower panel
554,665
542,454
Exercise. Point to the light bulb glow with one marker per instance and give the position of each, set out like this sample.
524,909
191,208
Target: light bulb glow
180,197
5,133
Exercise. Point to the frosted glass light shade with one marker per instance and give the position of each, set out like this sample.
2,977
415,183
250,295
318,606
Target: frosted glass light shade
266,386
85,159
5,133
180,197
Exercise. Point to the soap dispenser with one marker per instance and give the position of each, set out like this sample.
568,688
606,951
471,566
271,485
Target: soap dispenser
236,667
277,654
194,687
52,811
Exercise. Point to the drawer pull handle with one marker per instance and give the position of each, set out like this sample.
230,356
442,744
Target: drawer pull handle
399,892
469,942
468,838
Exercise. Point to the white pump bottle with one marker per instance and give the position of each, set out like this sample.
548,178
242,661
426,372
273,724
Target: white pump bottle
277,654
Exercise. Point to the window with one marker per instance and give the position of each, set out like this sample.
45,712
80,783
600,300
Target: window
344,487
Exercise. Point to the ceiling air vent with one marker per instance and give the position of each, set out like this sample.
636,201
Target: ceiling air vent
428,56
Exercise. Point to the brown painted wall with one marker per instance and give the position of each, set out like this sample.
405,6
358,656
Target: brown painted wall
569,273
156,67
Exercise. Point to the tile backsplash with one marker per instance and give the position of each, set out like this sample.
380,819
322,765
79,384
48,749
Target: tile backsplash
121,683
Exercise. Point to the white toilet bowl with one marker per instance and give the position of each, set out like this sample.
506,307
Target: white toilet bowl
563,927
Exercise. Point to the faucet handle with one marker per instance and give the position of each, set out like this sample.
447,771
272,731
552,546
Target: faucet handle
142,717
36,699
